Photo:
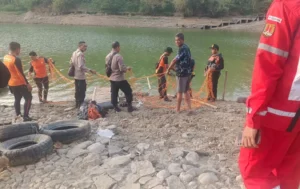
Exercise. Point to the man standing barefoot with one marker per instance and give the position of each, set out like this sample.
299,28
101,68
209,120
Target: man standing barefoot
183,71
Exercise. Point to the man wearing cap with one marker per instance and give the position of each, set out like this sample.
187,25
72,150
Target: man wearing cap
213,71
161,70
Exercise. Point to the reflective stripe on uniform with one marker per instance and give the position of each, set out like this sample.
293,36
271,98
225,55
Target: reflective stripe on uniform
273,50
273,111
281,113
295,90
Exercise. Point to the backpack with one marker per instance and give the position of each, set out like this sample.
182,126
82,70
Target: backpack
108,69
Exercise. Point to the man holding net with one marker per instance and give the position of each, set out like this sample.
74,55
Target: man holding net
183,71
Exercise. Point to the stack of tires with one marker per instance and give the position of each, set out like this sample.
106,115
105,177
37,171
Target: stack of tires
27,143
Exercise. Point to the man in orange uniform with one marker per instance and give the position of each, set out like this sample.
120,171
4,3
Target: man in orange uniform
38,66
161,70
274,104
18,83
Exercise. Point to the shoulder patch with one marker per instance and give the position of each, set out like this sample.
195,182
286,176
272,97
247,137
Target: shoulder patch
269,30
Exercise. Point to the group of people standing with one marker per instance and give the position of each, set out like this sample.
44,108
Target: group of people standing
182,64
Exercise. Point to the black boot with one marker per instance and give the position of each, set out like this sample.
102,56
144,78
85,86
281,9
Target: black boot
130,108
117,109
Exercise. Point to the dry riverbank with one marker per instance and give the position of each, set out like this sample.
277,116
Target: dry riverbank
153,148
123,21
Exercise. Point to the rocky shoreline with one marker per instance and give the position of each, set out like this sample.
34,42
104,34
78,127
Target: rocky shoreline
124,21
151,149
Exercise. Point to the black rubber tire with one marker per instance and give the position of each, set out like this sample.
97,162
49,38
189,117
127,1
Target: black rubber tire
17,130
41,145
67,131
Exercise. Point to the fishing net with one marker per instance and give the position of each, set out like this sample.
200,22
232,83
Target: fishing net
145,88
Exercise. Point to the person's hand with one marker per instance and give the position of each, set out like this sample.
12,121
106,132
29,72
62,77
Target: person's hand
93,71
29,87
168,71
249,138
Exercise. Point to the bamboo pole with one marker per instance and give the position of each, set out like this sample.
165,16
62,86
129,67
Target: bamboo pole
225,84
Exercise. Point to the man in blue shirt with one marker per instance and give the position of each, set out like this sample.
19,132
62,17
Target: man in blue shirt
183,71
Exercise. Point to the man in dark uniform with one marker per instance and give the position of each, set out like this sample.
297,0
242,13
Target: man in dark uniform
213,72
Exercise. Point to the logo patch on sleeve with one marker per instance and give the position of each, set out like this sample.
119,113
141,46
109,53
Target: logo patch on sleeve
269,30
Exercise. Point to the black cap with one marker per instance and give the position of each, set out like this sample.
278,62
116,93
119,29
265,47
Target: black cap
214,46
169,50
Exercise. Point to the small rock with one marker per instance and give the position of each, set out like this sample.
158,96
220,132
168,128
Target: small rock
239,178
62,151
118,174
83,145
141,147
144,180
160,144
103,182
162,175
187,167
91,160
132,186
132,178
193,158
153,182
187,135
75,152
113,128
103,140
159,187
142,168
119,161
113,150
194,171
193,185
175,183
175,169
186,178
176,152
207,178
96,148
222,157
69,109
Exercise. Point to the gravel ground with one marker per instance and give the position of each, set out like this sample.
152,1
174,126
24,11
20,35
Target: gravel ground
152,148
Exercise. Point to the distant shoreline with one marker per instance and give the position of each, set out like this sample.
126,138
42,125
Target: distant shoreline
124,21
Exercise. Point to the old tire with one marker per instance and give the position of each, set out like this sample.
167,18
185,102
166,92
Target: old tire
26,149
67,131
18,130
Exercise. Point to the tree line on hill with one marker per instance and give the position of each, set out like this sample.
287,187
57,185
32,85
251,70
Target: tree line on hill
187,8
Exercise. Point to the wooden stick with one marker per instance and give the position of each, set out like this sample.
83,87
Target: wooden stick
149,84
225,84
94,94
205,103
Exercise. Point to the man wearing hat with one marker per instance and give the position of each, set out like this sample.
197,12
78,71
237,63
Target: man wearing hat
161,70
213,71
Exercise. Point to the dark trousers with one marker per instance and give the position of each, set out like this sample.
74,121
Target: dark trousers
213,85
43,87
19,92
162,86
80,89
124,87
